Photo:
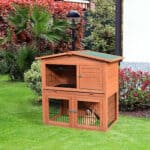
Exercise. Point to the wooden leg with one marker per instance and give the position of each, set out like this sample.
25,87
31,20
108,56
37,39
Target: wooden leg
45,108
104,119
117,105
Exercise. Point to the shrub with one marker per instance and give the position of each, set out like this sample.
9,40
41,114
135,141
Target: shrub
15,63
15,73
8,65
33,77
134,89
4,68
25,57
100,27
13,69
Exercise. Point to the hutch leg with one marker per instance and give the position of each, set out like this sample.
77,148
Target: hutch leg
117,105
45,109
104,126
75,113
72,112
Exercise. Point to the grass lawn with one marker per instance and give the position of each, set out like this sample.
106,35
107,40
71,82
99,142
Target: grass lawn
21,127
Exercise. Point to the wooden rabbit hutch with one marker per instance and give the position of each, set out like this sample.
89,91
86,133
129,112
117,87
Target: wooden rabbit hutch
80,89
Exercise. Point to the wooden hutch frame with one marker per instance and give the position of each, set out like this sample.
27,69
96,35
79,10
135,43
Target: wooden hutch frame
95,76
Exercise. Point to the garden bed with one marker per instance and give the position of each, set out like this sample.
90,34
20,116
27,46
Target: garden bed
141,113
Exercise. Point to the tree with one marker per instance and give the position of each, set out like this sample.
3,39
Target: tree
100,27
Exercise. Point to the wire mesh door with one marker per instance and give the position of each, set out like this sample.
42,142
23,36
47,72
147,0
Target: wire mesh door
88,113
59,110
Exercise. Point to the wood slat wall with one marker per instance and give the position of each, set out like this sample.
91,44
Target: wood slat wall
111,108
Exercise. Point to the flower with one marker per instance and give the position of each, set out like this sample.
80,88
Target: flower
145,84
135,94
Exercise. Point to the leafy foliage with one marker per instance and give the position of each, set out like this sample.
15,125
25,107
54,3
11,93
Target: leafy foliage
25,57
15,73
15,63
44,26
100,27
10,66
39,23
134,89
7,38
4,68
41,20
29,25
23,33
33,77
57,8
19,17
35,25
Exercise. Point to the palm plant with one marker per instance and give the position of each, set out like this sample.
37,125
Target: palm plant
25,57
19,18
37,24
45,27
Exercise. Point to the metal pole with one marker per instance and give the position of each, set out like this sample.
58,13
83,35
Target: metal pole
73,34
118,47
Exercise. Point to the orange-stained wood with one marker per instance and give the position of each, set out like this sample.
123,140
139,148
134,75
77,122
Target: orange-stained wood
80,83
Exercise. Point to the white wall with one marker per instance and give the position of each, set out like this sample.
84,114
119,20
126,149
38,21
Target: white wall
136,30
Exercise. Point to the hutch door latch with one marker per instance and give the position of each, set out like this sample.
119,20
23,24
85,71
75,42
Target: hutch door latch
73,111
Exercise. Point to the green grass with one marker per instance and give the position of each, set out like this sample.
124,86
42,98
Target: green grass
21,127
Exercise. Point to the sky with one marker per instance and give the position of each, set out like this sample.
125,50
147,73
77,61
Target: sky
136,30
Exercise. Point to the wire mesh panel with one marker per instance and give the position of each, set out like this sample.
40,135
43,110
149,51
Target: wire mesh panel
88,113
59,110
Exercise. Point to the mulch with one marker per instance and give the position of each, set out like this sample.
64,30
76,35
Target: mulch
141,113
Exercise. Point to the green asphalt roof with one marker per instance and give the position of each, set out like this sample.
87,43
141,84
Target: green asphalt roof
99,55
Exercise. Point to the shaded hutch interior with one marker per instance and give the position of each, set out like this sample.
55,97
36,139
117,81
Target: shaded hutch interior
61,76
59,112
80,89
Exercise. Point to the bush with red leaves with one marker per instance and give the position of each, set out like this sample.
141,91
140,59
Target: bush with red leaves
134,89
59,9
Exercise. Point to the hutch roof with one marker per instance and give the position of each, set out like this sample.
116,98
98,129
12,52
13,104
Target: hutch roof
87,54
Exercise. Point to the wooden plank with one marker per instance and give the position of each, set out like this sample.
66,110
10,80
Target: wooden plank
45,109
89,77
